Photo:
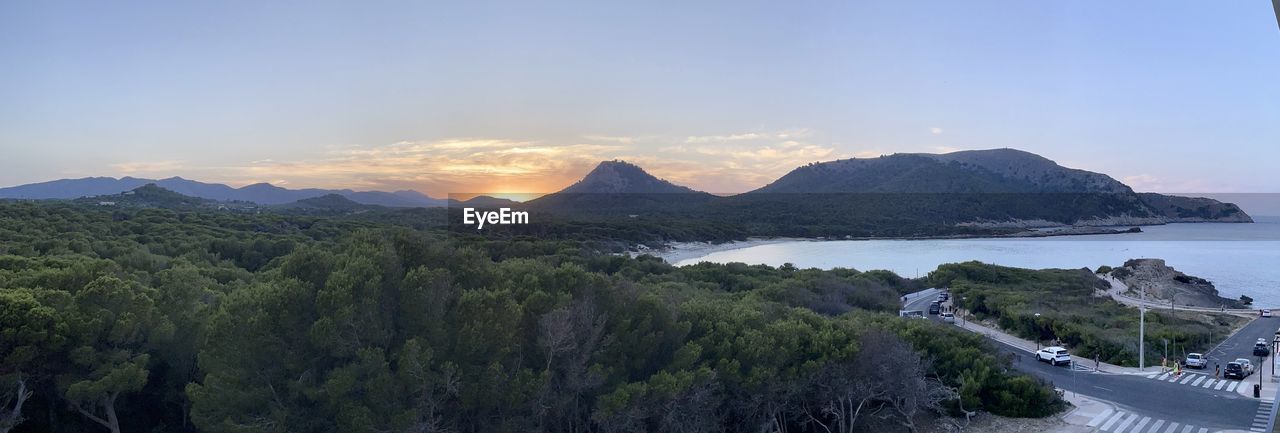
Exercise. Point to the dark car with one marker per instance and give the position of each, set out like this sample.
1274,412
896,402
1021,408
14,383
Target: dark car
935,308
1234,371
1261,349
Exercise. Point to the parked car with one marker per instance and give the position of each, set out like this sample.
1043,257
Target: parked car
1266,313
1196,360
944,297
917,314
1054,355
948,318
1238,369
935,308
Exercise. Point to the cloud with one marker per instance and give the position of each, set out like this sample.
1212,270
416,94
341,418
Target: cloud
935,130
726,163
612,139
148,167
437,167
1150,183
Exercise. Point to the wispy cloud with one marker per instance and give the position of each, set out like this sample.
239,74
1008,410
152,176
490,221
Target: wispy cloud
1150,183
145,168
935,130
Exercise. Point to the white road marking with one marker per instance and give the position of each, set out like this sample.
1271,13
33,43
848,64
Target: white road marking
1198,380
1186,429
1209,383
1221,384
1126,423
1185,380
1155,428
1232,386
1112,421
1204,430
1163,376
1137,428
1172,427
1100,417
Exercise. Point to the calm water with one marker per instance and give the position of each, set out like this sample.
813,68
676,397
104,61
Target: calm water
1237,258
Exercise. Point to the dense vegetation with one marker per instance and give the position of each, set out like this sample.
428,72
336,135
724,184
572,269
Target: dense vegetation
1065,306
153,320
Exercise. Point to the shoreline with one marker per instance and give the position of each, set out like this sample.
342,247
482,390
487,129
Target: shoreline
676,252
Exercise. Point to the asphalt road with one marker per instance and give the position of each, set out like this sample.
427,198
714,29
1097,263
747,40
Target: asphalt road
1240,345
1208,407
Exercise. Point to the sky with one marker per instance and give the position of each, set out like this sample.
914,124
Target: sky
722,96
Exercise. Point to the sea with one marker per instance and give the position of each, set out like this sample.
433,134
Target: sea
1239,258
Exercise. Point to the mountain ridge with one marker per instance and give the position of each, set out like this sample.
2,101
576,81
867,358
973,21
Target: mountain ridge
986,189
260,193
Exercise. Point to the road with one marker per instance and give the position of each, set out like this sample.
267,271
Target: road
1156,402
1119,291
1240,345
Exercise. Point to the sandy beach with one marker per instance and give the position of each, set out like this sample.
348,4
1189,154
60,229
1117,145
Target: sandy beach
679,251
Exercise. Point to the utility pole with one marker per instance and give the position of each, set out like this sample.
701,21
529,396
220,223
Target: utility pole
1166,347
1142,328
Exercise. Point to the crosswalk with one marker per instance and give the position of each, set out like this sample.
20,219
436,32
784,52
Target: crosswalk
1263,416
1113,420
1120,421
1195,379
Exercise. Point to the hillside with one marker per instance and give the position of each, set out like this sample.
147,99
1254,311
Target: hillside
622,188
970,193
329,203
621,177
978,171
149,196
1162,282
993,188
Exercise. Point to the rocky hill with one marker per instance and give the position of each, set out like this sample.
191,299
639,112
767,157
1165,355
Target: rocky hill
621,177
1160,281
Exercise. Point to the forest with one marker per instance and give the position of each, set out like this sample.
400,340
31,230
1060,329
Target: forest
160,320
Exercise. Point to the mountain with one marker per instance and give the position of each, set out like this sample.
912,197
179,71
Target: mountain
328,202
978,171
997,187
621,188
621,177
149,195
983,192
261,193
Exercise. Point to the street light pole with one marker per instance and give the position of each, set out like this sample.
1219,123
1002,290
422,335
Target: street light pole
1142,328
1037,319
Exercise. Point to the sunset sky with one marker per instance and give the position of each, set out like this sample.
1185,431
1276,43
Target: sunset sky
1168,96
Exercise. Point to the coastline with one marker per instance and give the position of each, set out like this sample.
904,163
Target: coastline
676,252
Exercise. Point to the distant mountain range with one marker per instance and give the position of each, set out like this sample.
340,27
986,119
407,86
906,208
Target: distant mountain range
912,192
260,193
